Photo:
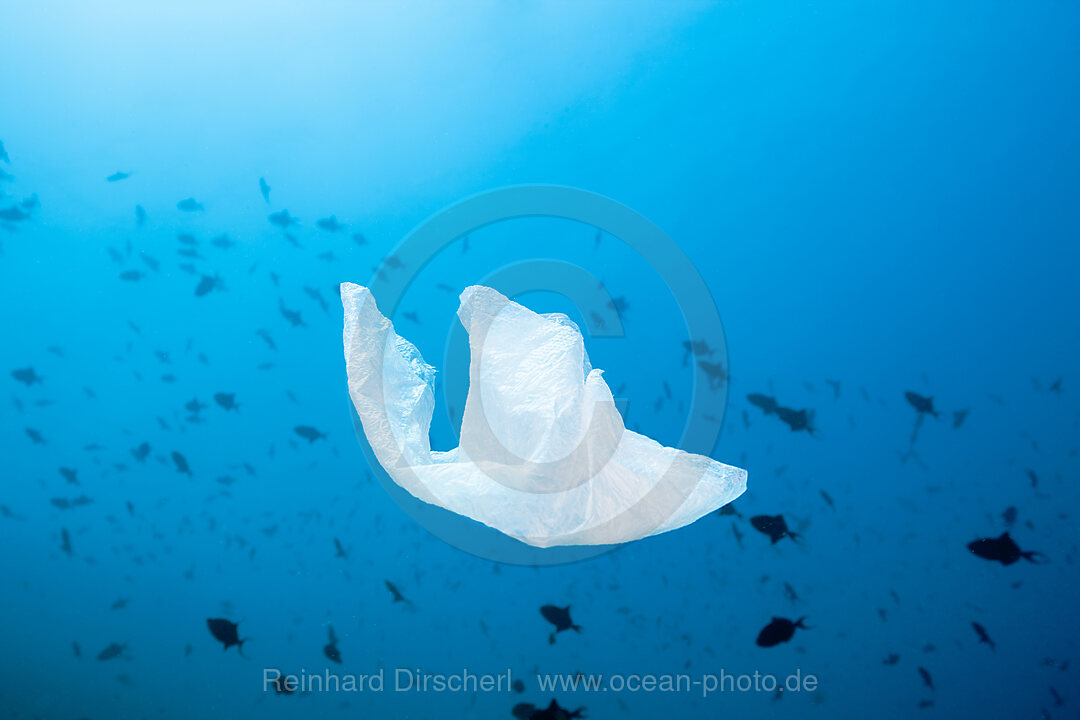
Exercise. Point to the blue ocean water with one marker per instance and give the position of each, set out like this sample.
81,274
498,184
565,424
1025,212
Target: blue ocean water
880,197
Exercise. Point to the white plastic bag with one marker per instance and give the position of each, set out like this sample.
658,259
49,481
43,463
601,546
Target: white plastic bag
544,455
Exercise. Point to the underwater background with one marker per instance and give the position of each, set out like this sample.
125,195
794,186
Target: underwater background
881,197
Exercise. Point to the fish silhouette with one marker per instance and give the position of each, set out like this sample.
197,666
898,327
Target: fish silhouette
226,632
779,630
560,618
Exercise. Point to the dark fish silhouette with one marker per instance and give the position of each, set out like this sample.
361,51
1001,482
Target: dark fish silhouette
339,551
927,680
1009,515
181,463
226,632
65,542
316,295
528,711
560,618
619,304
308,433
265,335
958,417
227,401
70,474
774,526
140,216
892,659
223,242
293,316
330,649
113,650
149,261
715,373
3,153
141,452
189,205
695,348
790,593
983,636
35,436
737,533
1002,549
922,405
117,177
330,224
729,509
780,630
398,597
282,219
27,376
796,419
65,504
13,214
132,275
207,284
283,684
767,404
264,189
825,496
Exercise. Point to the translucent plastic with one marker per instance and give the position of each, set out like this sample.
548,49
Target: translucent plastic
544,455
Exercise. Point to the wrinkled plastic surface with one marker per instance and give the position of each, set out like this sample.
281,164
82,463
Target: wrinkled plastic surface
544,455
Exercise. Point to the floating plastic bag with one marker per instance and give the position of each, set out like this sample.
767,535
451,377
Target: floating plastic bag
544,455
